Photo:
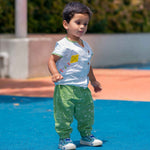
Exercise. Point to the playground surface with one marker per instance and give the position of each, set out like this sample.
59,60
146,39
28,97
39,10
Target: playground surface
121,112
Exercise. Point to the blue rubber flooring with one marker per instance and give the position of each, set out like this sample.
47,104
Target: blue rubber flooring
27,123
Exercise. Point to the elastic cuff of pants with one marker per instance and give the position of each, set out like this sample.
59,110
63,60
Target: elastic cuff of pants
64,137
85,134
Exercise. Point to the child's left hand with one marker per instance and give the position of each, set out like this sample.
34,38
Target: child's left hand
96,85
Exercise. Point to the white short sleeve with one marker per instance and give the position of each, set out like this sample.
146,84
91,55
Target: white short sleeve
59,50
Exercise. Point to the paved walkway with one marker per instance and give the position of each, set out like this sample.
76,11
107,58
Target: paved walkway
118,84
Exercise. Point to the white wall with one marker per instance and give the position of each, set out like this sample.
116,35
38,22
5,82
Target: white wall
28,57
17,56
117,49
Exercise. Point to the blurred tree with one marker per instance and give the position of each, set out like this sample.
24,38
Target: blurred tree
109,16
6,16
45,16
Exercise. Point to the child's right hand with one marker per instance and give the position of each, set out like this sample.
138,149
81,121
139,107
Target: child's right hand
56,77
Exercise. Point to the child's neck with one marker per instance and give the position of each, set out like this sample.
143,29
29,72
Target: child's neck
76,39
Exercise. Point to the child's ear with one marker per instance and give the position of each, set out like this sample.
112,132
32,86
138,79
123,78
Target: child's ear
65,24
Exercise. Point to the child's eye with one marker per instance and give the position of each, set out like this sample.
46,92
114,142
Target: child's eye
85,24
78,23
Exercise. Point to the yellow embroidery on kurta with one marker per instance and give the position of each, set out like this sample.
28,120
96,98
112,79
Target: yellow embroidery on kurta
74,58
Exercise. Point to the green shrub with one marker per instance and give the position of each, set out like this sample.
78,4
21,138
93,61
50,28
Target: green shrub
6,16
45,16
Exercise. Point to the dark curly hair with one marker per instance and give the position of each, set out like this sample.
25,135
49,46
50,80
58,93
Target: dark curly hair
75,8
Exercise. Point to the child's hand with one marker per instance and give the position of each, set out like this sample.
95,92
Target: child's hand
56,77
97,86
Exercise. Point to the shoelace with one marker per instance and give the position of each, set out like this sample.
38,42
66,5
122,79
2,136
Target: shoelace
90,138
68,140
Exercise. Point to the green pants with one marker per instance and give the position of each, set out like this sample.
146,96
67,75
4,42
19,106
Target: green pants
69,102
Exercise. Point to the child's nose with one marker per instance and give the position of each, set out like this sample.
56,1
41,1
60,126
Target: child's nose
82,26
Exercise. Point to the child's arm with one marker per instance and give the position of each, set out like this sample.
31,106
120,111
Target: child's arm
56,76
94,82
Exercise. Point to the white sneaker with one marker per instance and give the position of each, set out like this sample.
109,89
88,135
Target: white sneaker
66,144
90,141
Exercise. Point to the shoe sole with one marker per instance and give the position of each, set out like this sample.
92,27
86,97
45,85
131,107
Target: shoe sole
63,148
90,144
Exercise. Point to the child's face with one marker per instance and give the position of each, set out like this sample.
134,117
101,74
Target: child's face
77,25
